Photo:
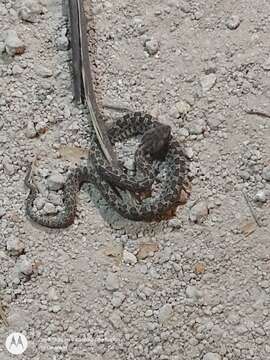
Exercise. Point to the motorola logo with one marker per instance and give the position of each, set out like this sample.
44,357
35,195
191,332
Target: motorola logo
16,343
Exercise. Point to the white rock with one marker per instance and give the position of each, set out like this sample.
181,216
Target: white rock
212,356
117,299
15,246
55,182
17,69
261,196
199,212
43,71
129,258
14,45
24,266
50,209
208,82
165,312
52,294
193,292
2,212
29,9
30,131
116,320
112,282
233,22
151,46
266,173
183,107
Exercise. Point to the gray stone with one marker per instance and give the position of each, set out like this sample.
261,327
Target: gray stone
43,71
261,196
62,43
266,173
233,22
182,107
189,153
15,246
183,132
208,82
112,282
40,203
3,283
212,356
50,209
244,174
9,168
30,131
55,308
41,127
55,182
199,212
129,258
2,48
193,293
2,212
117,299
266,65
165,312
17,69
52,294
151,46
29,10
197,128
116,320
14,45
24,266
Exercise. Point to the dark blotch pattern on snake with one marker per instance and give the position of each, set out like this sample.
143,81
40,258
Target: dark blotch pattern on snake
156,143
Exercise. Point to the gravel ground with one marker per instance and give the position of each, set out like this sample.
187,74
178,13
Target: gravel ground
196,286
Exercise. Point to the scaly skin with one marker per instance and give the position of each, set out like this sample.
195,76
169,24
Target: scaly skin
156,143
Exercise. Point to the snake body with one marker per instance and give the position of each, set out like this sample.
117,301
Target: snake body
156,143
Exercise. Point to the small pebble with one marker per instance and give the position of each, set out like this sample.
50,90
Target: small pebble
183,107
193,292
29,10
116,320
15,246
112,282
212,356
233,22
17,70
151,46
52,294
129,258
30,131
261,196
208,82
62,43
2,212
43,71
24,266
55,309
266,173
117,299
55,182
165,313
266,65
199,212
14,45
50,209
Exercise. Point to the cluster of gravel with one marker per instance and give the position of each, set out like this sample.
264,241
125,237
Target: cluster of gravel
195,286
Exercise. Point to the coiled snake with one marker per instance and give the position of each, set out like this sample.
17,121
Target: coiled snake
156,143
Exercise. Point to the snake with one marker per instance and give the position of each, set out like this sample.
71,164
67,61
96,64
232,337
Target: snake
157,144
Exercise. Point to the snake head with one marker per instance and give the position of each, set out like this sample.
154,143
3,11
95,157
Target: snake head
155,141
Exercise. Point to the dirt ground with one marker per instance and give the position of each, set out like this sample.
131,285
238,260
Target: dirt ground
196,286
